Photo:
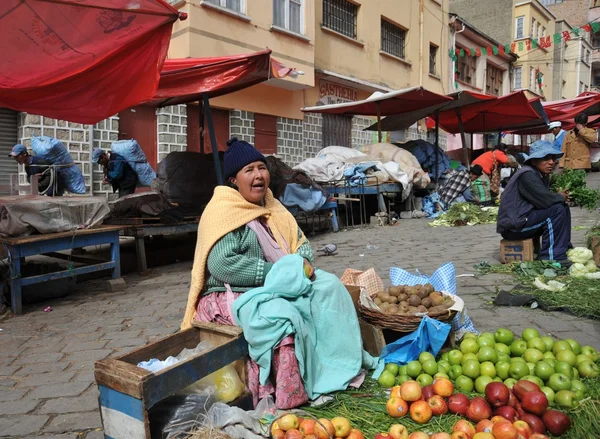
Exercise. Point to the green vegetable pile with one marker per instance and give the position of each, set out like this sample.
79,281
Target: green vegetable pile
574,181
466,214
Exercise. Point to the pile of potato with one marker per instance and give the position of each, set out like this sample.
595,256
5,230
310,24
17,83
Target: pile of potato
403,299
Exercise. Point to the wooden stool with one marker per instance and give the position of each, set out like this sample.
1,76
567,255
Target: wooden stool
521,251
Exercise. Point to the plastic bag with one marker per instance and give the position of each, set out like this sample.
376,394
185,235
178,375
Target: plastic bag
241,424
179,415
131,151
48,148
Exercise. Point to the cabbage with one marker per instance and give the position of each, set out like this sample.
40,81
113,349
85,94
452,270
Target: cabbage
591,266
577,269
551,286
594,275
580,255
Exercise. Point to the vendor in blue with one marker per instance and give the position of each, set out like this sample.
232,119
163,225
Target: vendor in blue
528,208
559,134
117,171
49,181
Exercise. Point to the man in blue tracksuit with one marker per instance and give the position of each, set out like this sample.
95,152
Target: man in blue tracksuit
117,171
528,207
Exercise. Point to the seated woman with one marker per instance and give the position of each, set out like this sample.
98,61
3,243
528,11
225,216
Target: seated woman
244,230
528,208
479,192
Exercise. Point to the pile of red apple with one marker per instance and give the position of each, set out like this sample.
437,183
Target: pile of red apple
291,426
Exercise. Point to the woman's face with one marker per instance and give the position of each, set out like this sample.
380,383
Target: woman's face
253,181
545,165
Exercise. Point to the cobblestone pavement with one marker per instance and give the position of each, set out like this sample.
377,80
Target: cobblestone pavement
46,359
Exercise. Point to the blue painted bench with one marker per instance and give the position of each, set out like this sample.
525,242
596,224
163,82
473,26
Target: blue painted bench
330,206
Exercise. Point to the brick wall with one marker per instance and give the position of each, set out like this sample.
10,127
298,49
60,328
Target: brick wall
105,132
241,125
290,138
312,131
172,130
574,11
359,136
493,17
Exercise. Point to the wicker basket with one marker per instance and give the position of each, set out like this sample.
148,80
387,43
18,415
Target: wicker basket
402,323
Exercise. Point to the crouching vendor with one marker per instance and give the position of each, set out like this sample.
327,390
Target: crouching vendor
253,268
528,208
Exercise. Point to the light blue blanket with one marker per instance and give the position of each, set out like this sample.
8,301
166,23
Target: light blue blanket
321,315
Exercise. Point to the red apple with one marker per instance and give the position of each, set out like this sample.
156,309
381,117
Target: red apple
538,436
410,391
458,404
535,403
484,426
427,392
497,394
274,427
536,424
310,436
556,422
478,409
440,436
342,426
460,435
395,392
420,412
512,399
396,407
293,433
438,405
465,427
288,422
382,436
443,387
418,435
507,412
523,386
278,434
324,429
307,427
504,430
523,429
398,431
355,434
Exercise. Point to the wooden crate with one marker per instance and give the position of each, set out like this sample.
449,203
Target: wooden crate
521,251
127,392
596,249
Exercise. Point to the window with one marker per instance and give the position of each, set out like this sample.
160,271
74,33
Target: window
531,78
234,5
543,31
587,56
467,69
551,2
532,27
288,14
520,27
493,81
393,39
537,31
340,16
433,50
518,78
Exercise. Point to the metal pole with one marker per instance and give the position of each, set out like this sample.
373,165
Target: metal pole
202,131
379,121
462,139
213,139
437,145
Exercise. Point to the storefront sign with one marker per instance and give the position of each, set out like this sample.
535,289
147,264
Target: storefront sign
332,93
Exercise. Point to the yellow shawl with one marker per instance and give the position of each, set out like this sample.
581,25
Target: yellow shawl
226,212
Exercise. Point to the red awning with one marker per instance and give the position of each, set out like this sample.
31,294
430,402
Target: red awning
81,60
186,80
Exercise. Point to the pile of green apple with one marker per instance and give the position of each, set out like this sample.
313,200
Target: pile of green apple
554,365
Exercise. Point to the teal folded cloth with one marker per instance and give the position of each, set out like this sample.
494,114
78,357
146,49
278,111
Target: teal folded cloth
319,313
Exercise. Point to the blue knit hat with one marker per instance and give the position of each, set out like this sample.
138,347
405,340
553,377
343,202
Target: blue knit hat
238,155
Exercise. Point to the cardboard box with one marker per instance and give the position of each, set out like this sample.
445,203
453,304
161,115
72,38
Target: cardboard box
519,251
596,249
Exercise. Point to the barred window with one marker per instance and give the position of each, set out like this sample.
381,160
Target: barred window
393,39
337,130
340,16
433,50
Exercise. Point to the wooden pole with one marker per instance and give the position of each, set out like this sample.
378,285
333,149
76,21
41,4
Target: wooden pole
462,139
437,145
213,139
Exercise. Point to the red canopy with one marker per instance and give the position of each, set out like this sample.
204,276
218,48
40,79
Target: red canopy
81,60
185,80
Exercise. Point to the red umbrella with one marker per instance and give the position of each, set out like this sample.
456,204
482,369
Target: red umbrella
82,60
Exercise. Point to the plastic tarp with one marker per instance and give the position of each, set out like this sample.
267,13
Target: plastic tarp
186,80
82,60
131,151
48,148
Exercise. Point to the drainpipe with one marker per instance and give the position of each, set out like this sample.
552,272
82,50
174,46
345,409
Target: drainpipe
579,66
421,40
453,75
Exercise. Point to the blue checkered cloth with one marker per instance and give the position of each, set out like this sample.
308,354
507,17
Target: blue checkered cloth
443,279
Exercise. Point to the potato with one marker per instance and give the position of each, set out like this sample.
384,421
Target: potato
421,308
393,300
414,300
403,309
412,290
413,310
394,291
436,298
423,292
402,297
385,297
426,302
377,301
384,306
430,288
393,309
403,303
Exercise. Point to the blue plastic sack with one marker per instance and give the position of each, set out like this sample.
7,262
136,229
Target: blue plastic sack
48,148
444,279
131,151
429,337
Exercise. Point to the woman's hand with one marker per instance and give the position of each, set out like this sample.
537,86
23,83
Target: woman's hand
309,270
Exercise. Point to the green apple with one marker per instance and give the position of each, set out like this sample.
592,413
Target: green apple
445,356
578,386
487,353
518,370
564,368
551,361
575,373
430,367
441,375
559,381
561,345
443,366
414,369
575,346
455,371
565,398
501,348
497,379
533,355
548,355
487,335
425,356
502,369
486,341
503,357
481,382
470,335
402,379
510,382
472,369
588,369
543,370
386,379
533,379
588,350
424,379
392,368
464,384
517,360
549,342
468,357
487,368
549,393
537,343
529,333
518,347
454,356
568,357
503,335
583,357
469,346
402,370
531,367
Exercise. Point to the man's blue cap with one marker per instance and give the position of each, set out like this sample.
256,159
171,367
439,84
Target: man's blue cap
18,149
96,154
540,149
